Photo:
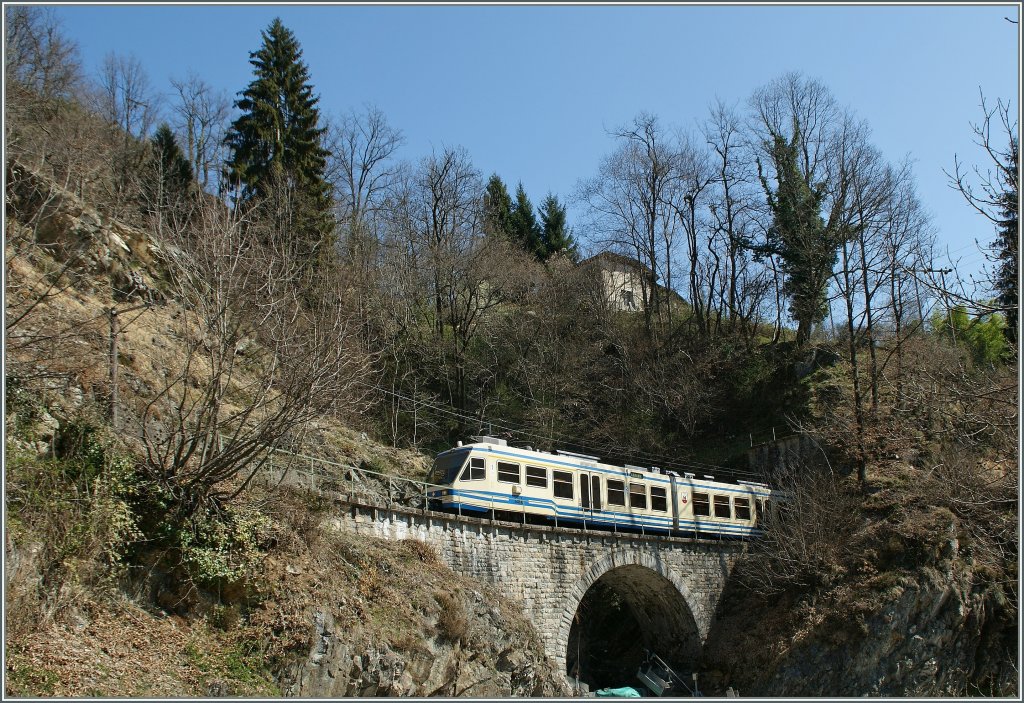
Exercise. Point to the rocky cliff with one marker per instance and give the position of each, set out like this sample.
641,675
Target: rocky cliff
928,618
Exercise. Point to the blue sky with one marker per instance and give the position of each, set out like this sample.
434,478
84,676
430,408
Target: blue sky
531,90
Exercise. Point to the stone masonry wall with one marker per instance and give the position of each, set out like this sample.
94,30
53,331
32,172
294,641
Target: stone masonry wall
549,569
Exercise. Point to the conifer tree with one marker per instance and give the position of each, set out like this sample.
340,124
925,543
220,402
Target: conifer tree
277,159
497,208
994,193
171,159
525,230
167,177
555,235
1006,241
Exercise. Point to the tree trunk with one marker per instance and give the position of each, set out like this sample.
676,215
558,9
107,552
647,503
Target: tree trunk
858,409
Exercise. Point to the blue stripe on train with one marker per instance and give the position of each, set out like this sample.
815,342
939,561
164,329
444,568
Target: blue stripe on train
578,515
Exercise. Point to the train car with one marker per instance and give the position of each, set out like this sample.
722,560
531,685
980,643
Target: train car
489,477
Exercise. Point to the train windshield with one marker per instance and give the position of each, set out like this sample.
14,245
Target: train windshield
447,466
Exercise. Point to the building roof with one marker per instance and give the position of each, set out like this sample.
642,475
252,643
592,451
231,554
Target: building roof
612,257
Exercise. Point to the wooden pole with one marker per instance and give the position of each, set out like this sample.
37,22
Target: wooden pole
114,332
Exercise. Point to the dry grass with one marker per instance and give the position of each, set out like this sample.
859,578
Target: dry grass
117,649
452,621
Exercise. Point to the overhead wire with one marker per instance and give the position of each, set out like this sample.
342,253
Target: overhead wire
503,426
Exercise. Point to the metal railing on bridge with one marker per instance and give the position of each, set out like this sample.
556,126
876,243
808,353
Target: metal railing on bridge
325,476
321,476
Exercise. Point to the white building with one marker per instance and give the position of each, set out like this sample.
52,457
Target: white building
620,280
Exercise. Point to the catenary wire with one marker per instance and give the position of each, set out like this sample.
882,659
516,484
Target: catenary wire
504,426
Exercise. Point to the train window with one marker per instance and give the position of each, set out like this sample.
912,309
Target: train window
475,471
508,473
616,492
722,506
742,506
447,468
701,504
638,496
658,499
759,507
536,476
562,481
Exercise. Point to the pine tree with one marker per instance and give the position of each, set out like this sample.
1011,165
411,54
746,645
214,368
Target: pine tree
167,177
277,159
555,236
497,208
1006,241
525,230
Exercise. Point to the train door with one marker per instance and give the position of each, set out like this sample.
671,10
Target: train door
674,501
590,493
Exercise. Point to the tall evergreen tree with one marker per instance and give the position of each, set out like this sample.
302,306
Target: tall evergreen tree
798,235
497,208
555,235
277,158
167,177
525,230
994,193
1006,240
170,160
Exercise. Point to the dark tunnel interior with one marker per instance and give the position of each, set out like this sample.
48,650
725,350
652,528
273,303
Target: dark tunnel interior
628,612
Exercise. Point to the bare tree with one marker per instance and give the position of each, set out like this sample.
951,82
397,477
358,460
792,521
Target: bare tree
732,209
202,117
993,191
807,531
630,203
362,146
908,249
265,349
44,127
37,56
445,219
686,198
125,99
363,174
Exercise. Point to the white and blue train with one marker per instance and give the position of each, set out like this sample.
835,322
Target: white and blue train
487,476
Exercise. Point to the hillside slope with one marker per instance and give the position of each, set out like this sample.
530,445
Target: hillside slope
281,606
905,587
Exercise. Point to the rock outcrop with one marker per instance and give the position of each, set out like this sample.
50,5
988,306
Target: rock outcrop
938,629
492,663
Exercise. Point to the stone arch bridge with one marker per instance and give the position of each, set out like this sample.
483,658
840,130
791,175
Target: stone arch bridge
671,586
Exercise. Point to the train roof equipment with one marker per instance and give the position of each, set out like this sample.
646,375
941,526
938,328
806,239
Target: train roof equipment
576,455
485,439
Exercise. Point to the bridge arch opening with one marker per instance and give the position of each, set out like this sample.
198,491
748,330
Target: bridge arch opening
625,612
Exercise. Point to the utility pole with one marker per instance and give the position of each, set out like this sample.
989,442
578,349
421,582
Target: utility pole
114,332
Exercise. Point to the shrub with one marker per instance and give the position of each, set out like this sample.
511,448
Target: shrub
71,522
984,337
452,620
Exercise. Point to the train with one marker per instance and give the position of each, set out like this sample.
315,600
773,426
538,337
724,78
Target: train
487,476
